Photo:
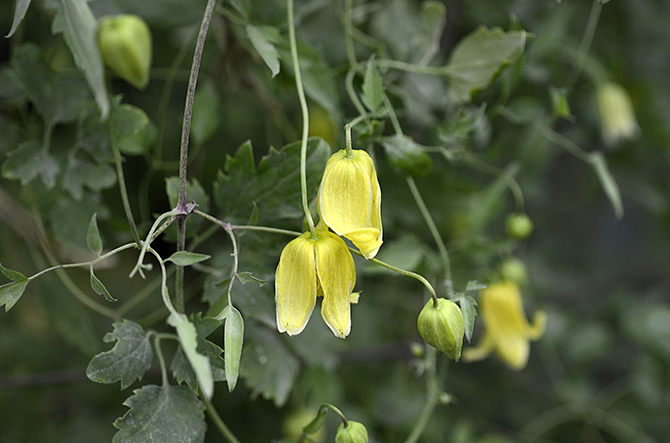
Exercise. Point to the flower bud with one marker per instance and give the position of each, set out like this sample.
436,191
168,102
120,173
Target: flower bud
125,45
514,269
354,432
616,113
519,226
442,327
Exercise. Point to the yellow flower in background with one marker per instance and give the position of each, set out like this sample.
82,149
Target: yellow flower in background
315,266
507,332
616,113
350,200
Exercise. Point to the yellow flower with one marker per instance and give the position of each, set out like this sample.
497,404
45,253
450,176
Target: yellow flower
616,113
350,200
315,266
507,331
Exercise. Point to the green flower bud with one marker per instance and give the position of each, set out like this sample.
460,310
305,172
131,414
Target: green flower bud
355,432
513,269
442,327
125,44
519,226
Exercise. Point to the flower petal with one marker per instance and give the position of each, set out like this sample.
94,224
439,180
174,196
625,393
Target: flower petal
368,240
295,285
481,351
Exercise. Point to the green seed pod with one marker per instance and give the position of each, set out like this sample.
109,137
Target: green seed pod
442,327
519,226
125,45
355,432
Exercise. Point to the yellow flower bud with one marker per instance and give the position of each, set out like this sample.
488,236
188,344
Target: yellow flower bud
616,113
125,45
354,432
311,266
442,327
508,333
350,200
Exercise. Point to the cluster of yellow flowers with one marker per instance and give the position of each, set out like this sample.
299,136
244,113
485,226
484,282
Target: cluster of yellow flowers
318,263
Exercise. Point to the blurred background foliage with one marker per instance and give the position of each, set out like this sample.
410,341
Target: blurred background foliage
599,374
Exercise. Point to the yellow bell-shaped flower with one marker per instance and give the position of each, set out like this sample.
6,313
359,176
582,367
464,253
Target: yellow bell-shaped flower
310,266
507,332
617,115
350,199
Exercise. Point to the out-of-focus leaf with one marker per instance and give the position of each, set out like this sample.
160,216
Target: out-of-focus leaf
29,161
127,361
267,367
80,36
185,258
407,155
474,285
274,187
263,37
599,163
99,288
523,110
479,57
19,13
80,173
206,112
189,343
162,414
460,127
405,253
373,89
487,203
433,16
69,218
11,292
93,239
469,312
133,131
248,277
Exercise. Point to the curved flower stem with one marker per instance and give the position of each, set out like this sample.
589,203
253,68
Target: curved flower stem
305,117
446,263
414,275
236,263
227,226
161,359
218,421
585,44
349,84
345,422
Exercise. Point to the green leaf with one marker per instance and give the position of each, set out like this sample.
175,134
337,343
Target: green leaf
189,343
19,13
407,156
133,131
81,37
248,277
233,339
182,369
433,18
93,239
29,161
99,288
206,112
127,361
11,292
185,258
274,187
69,218
267,366
469,312
81,173
599,163
474,285
486,204
14,276
263,37
477,59
523,110
373,89
462,124
162,414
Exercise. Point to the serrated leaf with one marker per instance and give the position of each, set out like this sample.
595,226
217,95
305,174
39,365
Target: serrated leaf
127,361
233,339
206,112
182,369
407,155
248,277
10,293
185,258
93,239
262,38
469,312
274,187
267,366
19,13
134,133
478,57
373,89
80,34
189,343
474,285
162,414
599,163
29,161
99,288
14,276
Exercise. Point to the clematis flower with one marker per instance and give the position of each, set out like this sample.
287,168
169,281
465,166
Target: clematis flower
508,333
350,200
616,113
311,266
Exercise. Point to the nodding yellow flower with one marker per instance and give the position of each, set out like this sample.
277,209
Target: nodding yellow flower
507,331
616,113
350,200
311,266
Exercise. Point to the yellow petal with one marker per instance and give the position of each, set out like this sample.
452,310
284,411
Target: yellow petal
513,350
479,352
368,240
295,285
536,330
337,277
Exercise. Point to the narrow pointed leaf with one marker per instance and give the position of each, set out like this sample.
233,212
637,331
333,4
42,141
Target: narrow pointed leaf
12,275
93,239
11,292
373,89
185,258
233,339
248,277
19,13
599,163
469,312
263,37
99,288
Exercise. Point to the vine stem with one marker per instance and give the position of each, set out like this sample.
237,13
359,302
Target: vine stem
336,410
218,421
183,155
305,118
227,226
118,161
585,44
